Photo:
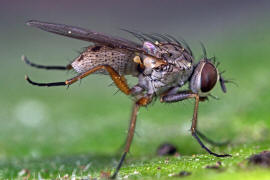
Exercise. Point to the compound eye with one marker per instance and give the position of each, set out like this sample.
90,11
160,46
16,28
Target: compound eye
208,77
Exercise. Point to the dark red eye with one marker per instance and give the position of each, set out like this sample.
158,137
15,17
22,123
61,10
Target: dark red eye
208,77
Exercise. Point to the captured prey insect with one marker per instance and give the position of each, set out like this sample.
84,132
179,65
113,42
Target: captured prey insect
161,63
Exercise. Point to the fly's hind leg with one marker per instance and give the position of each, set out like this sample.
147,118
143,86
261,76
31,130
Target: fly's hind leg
24,59
187,95
120,81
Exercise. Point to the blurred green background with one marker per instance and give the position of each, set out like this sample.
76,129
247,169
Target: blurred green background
54,131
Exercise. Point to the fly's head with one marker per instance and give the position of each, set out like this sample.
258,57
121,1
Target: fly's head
205,77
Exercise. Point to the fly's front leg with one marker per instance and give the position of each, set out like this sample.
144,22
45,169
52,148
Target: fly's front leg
187,95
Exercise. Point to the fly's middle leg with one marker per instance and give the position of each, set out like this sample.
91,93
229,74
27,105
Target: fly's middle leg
131,131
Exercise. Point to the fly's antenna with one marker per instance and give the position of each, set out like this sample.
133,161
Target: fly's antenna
223,81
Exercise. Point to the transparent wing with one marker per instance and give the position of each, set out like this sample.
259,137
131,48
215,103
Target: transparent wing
87,35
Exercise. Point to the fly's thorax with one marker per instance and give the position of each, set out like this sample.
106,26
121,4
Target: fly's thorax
164,54
180,73
171,75
158,76
151,63
93,56
151,86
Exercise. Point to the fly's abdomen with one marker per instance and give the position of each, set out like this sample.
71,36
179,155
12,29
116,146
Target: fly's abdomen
119,59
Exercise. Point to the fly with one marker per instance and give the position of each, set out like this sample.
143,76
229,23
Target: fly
160,62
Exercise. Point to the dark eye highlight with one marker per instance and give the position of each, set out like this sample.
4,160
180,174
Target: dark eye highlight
208,77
